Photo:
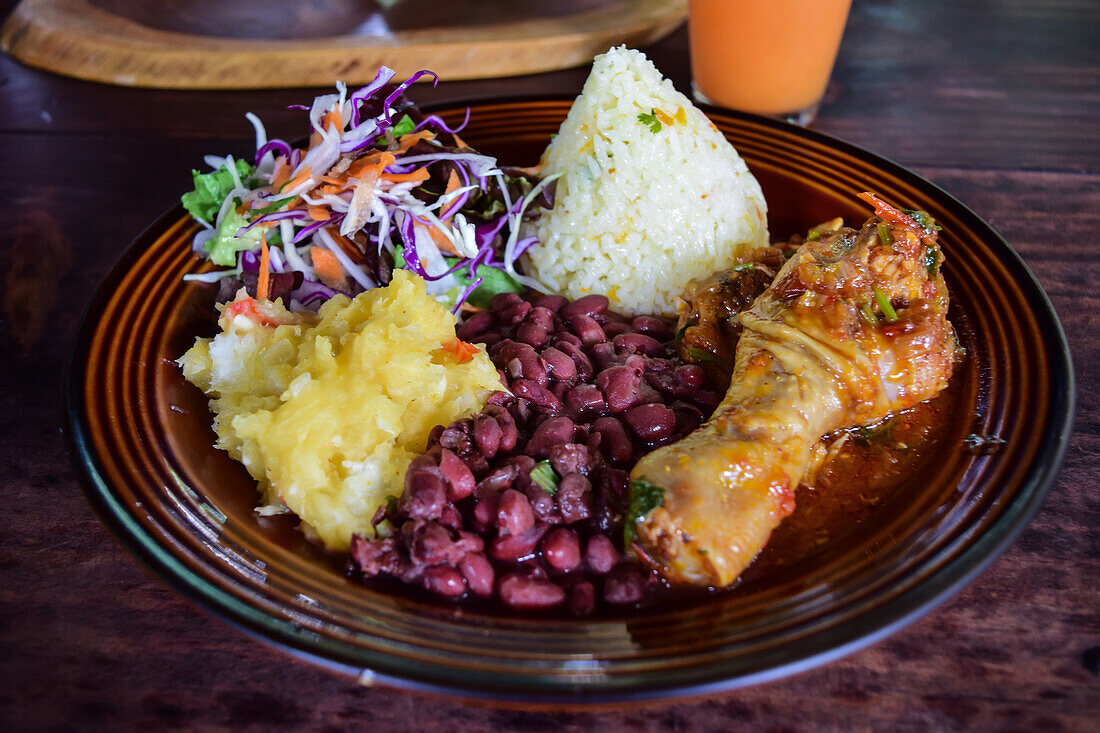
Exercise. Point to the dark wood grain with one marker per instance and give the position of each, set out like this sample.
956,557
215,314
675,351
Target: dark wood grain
996,103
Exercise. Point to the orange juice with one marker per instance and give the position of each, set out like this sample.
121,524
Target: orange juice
767,56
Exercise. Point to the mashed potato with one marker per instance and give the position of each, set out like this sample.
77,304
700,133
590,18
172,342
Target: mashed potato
651,194
326,411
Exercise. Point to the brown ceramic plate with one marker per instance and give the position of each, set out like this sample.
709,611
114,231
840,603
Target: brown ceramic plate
142,441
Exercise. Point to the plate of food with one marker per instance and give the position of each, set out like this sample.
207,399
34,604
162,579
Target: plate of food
566,400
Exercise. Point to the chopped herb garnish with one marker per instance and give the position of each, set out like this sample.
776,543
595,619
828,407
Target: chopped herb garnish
272,208
744,266
703,355
923,219
868,314
644,498
879,432
888,311
683,330
650,120
932,258
544,475
884,235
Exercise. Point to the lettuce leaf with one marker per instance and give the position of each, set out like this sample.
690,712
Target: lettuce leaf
223,247
211,189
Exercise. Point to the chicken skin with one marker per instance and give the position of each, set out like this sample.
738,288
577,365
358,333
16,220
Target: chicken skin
854,327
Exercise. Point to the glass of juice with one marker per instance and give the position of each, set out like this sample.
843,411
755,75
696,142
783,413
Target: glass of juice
772,57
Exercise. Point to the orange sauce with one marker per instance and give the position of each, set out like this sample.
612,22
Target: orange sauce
765,56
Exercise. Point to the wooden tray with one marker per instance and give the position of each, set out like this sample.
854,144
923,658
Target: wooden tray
207,44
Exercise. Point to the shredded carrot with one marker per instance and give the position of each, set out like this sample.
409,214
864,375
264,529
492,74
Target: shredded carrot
263,285
418,175
459,142
334,117
281,173
453,183
328,268
463,352
664,117
298,180
412,138
890,215
346,244
318,213
377,161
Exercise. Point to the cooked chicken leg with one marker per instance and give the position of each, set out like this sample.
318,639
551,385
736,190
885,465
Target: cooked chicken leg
853,328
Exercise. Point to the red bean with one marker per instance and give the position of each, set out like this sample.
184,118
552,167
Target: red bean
498,398
459,478
552,432
487,435
536,394
565,337
444,580
541,316
691,374
509,433
516,547
521,591
559,366
425,493
615,443
638,343
589,305
542,503
485,508
624,584
600,554
614,329
619,385
587,330
479,573
603,356
580,359
585,398
574,498
532,333
651,422
582,598
502,301
651,326
468,542
514,314
551,302
475,325
562,550
450,517
514,513
568,458
688,417
428,542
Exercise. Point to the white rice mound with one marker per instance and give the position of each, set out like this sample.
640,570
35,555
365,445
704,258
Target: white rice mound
638,213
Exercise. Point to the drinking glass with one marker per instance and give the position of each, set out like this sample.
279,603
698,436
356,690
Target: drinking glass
772,57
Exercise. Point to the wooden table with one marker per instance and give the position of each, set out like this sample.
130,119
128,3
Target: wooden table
996,102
